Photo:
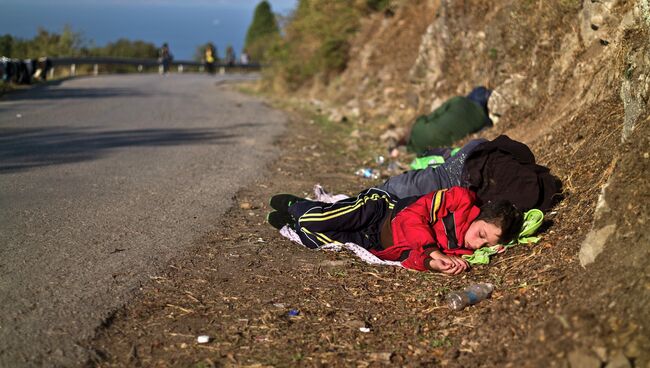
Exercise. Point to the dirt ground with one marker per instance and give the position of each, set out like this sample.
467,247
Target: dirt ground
245,280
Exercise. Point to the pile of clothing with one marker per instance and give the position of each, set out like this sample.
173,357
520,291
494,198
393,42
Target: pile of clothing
19,71
499,169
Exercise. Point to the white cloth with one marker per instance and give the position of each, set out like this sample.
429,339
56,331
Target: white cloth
322,196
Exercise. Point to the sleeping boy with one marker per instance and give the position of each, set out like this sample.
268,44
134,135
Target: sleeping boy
426,233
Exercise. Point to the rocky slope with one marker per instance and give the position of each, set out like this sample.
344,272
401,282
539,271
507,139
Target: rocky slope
572,80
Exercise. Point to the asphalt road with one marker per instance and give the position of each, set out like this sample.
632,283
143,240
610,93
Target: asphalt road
102,181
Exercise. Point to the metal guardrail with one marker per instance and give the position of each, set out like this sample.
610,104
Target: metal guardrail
26,71
140,64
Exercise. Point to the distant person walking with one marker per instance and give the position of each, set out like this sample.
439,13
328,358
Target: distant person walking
243,58
230,56
165,58
210,58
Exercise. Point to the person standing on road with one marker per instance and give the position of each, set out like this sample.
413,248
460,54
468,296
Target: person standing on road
210,58
165,58
243,58
230,56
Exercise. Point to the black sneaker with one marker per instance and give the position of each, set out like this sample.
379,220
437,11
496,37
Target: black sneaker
278,219
281,202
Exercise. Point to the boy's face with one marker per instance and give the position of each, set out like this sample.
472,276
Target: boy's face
481,234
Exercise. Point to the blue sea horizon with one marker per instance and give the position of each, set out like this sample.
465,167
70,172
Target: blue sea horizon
183,25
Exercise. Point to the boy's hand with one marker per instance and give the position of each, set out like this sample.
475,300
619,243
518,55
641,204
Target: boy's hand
451,265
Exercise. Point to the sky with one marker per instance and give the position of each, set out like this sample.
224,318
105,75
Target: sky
184,24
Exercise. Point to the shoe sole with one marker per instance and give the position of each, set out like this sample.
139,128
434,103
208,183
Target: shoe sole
279,203
278,220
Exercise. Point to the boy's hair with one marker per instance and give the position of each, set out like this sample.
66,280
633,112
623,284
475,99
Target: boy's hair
504,215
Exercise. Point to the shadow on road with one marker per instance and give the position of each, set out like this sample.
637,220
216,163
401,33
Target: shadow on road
23,149
44,93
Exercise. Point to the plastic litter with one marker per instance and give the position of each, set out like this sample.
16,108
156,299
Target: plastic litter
470,295
294,313
203,339
368,173
364,329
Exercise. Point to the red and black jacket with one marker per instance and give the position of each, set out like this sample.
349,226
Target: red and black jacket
435,221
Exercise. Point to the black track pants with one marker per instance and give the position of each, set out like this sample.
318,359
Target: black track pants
356,219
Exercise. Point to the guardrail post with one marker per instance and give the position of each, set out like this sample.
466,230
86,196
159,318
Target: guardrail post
73,70
180,68
95,69
51,73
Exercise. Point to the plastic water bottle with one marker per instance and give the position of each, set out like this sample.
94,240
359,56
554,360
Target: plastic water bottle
367,173
471,294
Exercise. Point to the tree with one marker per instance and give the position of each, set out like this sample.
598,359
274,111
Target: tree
6,45
128,49
316,41
262,31
68,43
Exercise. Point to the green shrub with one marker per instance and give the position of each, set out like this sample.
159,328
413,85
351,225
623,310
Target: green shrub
70,43
334,54
316,41
127,49
377,5
6,45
